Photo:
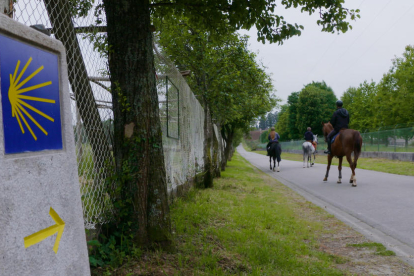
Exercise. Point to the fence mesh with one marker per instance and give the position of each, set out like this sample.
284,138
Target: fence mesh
385,139
182,117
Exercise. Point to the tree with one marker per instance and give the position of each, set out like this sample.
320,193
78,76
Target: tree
283,123
262,122
316,103
270,120
225,77
360,104
292,102
138,144
138,147
395,96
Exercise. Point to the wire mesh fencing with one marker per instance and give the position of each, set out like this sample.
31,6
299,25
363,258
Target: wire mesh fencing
384,139
182,116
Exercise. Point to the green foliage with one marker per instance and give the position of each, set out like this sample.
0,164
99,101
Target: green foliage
389,103
293,114
220,16
115,244
360,104
264,137
225,75
308,108
251,144
316,103
238,137
282,125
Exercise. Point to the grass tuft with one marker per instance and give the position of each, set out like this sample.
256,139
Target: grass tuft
380,248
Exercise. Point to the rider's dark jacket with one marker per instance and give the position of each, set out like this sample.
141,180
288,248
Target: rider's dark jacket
308,136
340,119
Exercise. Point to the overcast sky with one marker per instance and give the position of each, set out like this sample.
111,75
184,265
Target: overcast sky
344,60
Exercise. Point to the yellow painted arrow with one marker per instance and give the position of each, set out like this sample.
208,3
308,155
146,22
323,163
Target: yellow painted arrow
47,232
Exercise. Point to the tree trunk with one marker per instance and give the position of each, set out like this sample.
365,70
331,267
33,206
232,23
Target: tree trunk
6,7
228,134
138,147
208,158
228,152
63,29
216,152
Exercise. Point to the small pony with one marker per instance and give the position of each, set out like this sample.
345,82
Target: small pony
347,141
308,150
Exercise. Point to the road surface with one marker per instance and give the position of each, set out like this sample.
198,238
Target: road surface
380,207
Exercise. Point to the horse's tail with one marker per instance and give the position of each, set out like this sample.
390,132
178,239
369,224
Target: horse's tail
357,146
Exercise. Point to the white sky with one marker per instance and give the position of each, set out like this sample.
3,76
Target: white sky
344,60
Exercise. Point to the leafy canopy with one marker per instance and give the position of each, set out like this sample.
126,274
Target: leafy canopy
220,15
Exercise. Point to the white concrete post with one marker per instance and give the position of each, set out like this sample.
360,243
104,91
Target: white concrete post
41,218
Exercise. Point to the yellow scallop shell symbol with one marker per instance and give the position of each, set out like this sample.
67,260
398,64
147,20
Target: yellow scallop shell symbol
18,101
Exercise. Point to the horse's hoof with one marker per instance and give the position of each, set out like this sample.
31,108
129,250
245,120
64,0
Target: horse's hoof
303,166
339,181
312,164
351,181
325,179
354,184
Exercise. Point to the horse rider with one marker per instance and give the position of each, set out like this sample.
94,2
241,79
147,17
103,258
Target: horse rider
273,138
339,120
309,137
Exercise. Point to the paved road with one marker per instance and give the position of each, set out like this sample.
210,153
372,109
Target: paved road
381,206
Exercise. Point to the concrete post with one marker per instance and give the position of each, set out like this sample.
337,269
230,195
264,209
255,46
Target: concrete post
41,218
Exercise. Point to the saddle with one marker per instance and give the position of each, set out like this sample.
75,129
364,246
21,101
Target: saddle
333,138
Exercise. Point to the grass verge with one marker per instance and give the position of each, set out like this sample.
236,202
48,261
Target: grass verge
250,224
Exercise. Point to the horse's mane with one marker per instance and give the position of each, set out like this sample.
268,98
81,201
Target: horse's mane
329,127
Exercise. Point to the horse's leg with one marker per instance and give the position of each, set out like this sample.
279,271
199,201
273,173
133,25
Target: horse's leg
274,163
314,157
352,166
278,168
340,170
328,167
304,154
270,161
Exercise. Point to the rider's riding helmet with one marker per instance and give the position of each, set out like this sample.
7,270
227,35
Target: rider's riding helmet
339,103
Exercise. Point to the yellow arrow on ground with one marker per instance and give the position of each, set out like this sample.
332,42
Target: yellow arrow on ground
47,232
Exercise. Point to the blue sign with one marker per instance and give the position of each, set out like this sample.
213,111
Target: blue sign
29,97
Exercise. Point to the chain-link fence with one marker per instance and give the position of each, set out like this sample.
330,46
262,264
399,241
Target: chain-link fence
182,116
397,138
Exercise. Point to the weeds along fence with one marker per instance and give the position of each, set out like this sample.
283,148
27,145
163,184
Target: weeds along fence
398,138
182,116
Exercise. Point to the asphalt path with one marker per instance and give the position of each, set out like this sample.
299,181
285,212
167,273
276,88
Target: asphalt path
381,206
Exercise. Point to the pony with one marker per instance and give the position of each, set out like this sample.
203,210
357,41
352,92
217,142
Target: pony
308,150
275,152
347,141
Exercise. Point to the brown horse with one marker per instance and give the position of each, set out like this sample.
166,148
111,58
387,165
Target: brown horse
347,141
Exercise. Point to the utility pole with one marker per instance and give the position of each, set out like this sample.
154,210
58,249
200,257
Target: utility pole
6,7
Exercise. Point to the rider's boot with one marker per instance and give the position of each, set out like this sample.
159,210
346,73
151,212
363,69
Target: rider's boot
328,151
